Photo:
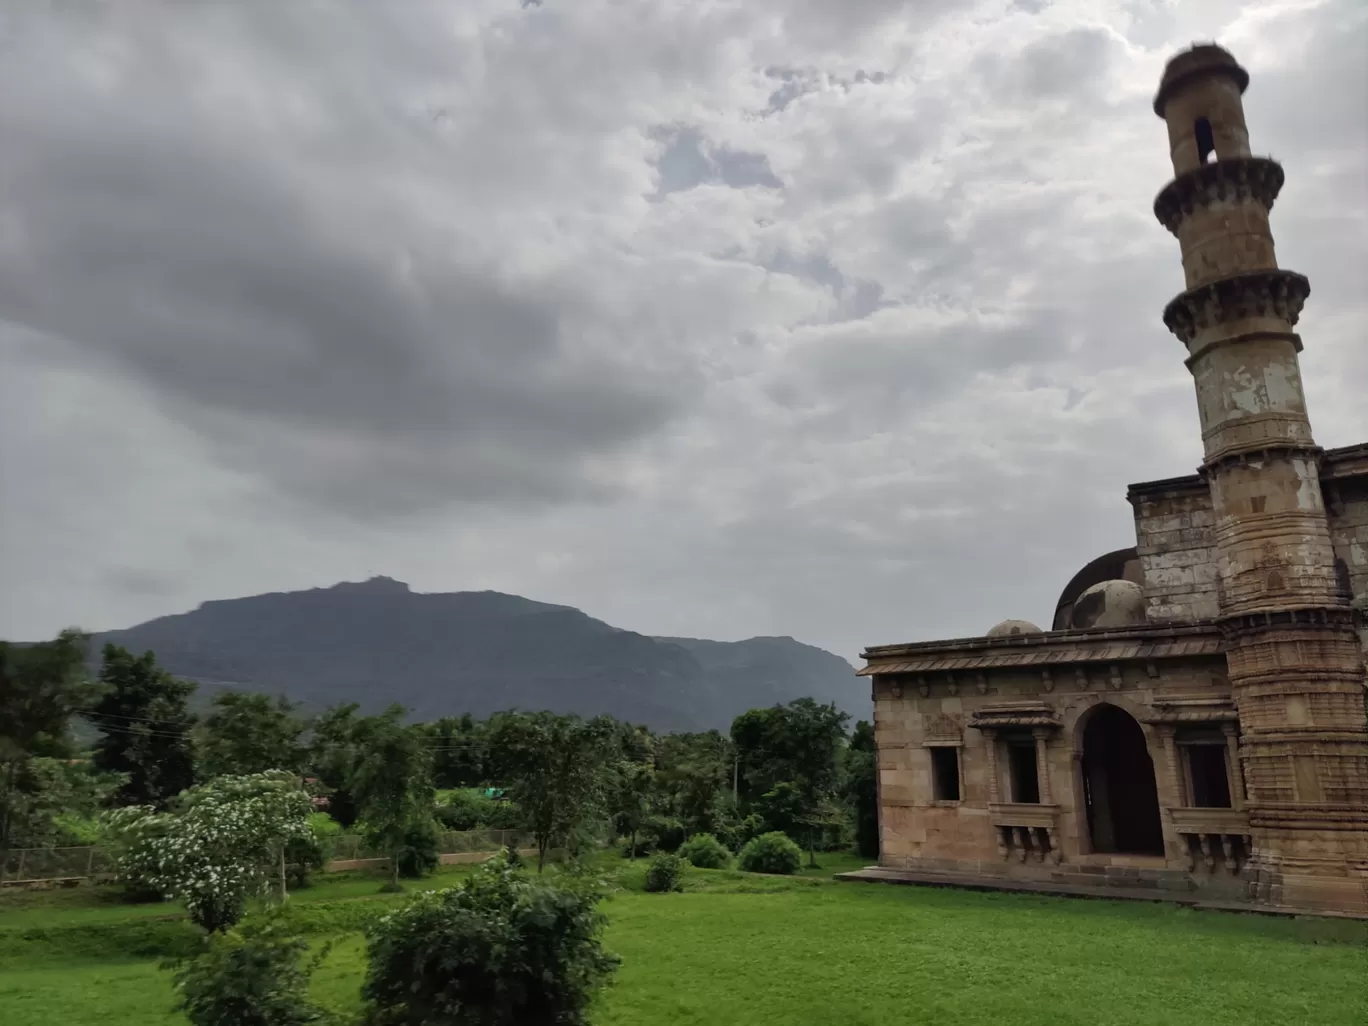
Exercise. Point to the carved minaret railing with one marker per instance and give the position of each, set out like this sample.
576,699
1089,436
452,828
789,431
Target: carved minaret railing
1295,666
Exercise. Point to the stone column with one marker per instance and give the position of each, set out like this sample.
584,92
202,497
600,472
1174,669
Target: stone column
1177,799
990,749
1233,767
1041,735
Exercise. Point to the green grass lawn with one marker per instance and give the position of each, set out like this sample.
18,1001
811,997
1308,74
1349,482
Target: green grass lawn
740,950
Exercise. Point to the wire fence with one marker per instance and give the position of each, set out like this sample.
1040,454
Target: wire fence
74,865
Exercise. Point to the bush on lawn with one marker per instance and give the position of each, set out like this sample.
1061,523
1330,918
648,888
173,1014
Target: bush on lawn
498,950
250,976
705,851
771,853
665,873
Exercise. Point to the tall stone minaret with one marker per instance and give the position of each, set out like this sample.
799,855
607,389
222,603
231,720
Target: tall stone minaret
1294,661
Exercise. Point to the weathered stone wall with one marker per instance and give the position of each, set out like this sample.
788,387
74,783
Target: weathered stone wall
1175,540
1348,510
915,829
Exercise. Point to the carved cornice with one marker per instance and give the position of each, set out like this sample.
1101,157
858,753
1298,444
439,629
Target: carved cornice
1017,714
1244,625
1263,452
1193,710
1274,293
1233,179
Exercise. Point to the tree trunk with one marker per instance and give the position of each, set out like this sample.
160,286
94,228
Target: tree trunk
542,844
812,847
633,845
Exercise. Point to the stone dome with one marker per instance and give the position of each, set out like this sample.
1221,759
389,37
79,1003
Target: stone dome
1110,604
1013,627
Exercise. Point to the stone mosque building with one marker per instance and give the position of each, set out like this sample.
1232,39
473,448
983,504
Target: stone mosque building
1192,725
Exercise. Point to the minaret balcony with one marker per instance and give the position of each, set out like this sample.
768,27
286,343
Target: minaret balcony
1267,300
1231,180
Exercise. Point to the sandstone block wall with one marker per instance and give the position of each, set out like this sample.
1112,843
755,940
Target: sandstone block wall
917,829
1175,540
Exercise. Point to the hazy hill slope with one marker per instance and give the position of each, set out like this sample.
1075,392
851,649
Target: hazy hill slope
378,642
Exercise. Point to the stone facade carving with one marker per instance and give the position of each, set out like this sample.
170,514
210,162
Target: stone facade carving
1216,740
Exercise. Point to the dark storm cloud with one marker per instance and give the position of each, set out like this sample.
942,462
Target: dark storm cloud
267,311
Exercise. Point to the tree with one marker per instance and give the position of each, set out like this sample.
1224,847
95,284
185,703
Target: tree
334,750
145,726
692,770
41,687
861,790
221,843
457,751
249,733
392,783
631,800
555,768
499,950
799,744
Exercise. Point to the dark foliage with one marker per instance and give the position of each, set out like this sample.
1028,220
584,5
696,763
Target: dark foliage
144,722
418,855
771,853
499,950
251,976
705,851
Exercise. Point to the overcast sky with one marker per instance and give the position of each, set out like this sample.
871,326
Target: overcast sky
839,320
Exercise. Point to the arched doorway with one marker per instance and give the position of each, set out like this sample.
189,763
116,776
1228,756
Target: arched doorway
1118,785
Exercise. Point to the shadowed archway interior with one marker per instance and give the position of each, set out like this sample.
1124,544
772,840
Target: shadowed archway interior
1119,786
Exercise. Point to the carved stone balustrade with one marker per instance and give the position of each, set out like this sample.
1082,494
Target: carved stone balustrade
1026,831
1214,836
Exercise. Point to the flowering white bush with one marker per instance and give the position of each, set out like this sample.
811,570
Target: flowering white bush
221,845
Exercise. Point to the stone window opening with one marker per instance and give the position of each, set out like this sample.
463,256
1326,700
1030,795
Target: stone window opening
945,773
1023,771
1207,772
1206,141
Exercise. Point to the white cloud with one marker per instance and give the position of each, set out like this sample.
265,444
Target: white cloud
713,319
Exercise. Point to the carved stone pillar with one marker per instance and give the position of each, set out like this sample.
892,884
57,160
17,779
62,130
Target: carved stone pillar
1168,733
1041,735
1233,768
990,746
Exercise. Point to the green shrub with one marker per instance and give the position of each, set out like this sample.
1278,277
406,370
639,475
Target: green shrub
644,846
664,833
471,809
504,815
464,810
665,874
771,853
498,950
705,851
249,976
419,856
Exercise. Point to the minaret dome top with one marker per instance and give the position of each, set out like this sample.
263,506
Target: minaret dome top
1201,60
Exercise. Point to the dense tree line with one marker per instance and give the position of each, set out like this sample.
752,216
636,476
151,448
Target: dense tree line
573,784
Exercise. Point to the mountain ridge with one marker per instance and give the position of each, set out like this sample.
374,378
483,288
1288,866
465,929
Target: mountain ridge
446,653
